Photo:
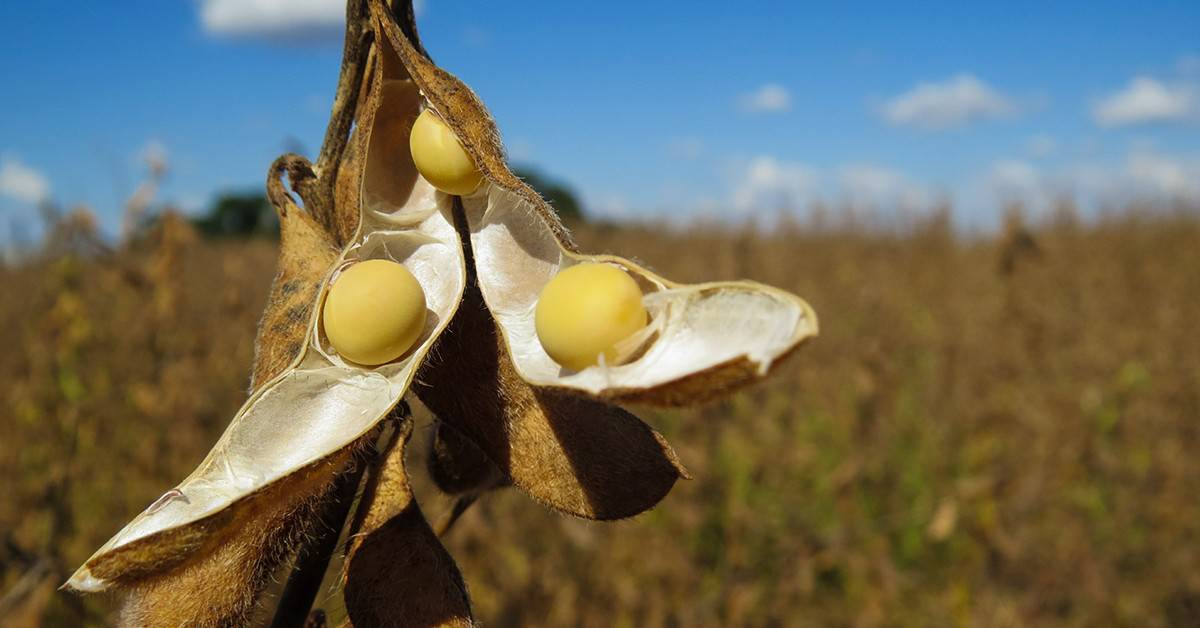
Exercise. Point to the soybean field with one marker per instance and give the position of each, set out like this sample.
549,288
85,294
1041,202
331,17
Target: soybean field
992,429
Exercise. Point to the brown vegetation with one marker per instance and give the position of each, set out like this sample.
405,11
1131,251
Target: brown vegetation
992,431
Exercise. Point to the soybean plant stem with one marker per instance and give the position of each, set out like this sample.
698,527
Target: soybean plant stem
313,559
450,518
355,52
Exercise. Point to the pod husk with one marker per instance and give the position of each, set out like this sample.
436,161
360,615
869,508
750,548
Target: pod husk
457,465
519,244
554,433
703,341
577,455
170,577
313,412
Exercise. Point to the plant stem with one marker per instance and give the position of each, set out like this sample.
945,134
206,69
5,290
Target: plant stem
313,559
315,186
450,518
356,48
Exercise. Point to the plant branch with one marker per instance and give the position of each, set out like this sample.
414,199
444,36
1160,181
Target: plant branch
315,186
355,51
345,100
448,520
313,558
304,582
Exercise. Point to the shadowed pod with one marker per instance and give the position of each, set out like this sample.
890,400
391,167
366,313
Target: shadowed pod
397,573
482,260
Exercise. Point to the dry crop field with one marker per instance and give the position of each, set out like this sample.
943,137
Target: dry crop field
990,431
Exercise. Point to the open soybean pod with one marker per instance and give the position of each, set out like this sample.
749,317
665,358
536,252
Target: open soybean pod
300,425
554,432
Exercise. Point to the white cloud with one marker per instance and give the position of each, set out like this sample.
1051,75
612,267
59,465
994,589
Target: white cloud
951,103
686,148
770,98
290,20
1155,175
1147,100
275,19
868,185
1014,179
1189,64
1041,145
21,182
1143,175
768,183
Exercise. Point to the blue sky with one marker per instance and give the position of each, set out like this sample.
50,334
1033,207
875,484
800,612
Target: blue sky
647,109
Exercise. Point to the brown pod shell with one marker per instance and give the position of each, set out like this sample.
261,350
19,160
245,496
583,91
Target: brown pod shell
576,455
211,574
318,405
457,465
171,576
704,340
532,418
396,572
579,456
305,256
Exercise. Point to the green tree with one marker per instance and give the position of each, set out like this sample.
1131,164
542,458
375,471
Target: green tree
245,214
239,214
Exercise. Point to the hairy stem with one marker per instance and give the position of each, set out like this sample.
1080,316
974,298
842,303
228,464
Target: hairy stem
313,559
304,582
354,55
315,184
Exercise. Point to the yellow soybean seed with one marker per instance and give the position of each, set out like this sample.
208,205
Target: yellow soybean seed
440,157
584,311
374,312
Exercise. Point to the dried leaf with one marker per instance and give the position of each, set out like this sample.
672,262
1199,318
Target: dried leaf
397,572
